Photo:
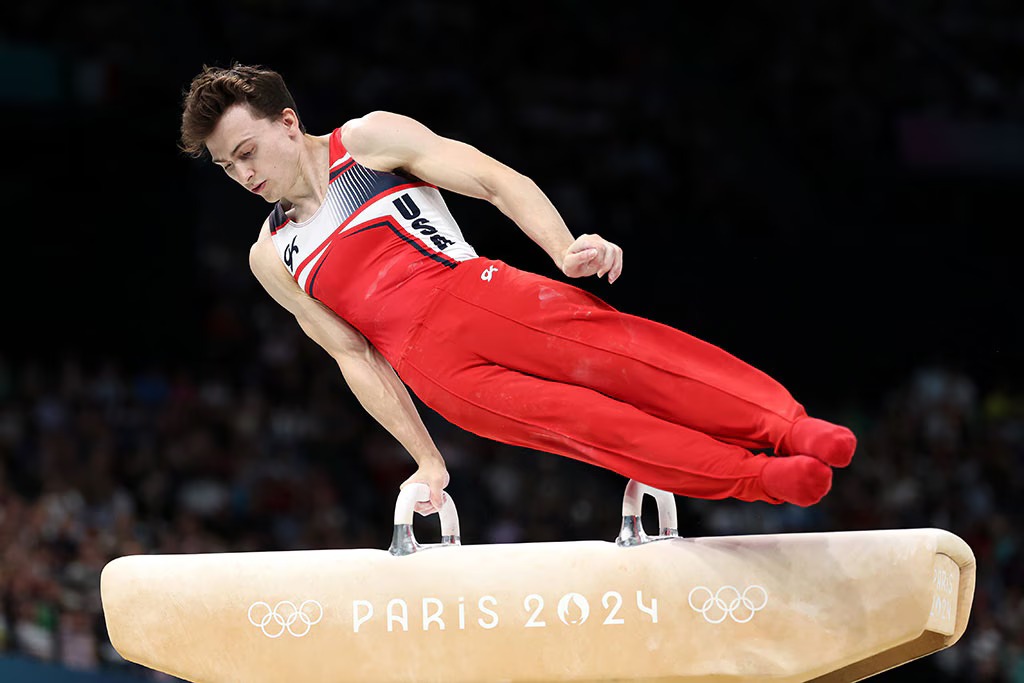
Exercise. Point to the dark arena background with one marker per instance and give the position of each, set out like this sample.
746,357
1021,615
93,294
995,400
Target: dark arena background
829,190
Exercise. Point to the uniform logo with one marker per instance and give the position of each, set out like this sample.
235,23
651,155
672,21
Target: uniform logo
288,252
285,616
488,274
729,602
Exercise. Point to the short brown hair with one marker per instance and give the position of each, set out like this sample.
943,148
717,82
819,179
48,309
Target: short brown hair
215,89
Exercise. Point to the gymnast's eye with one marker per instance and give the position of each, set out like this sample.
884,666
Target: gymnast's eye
246,155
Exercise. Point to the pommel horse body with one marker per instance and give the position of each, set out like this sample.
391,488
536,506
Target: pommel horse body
830,607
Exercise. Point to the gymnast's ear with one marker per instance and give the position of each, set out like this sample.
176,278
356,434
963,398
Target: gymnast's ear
289,118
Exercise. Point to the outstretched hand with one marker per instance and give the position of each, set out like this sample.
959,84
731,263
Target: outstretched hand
434,476
590,255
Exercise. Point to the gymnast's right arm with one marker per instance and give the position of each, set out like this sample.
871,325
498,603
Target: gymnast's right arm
368,374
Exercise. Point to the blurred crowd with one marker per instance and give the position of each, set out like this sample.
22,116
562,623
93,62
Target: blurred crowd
252,442
98,462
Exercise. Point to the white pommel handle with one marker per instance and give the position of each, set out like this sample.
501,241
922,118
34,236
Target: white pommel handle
632,532
403,541
632,503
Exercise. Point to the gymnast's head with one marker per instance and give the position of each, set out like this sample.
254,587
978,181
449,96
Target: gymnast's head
245,118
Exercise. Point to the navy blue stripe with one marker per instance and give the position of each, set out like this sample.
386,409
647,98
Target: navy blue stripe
277,218
419,247
382,182
362,186
312,278
451,263
379,224
344,167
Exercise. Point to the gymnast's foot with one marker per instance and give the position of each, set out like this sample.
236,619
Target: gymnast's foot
832,444
798,479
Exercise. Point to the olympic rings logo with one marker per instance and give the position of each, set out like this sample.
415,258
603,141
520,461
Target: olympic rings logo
727,601
285,616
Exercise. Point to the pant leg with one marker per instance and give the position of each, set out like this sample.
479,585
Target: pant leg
577,422
553,330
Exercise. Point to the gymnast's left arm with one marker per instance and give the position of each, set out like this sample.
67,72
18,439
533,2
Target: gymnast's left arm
385,141
368,374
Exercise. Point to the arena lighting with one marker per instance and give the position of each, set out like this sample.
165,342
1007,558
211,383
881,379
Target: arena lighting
833,607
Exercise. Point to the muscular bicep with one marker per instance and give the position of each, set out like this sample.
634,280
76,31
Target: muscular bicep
320,323
385,141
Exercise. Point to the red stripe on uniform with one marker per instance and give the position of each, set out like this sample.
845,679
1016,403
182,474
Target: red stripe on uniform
374,198
273,231
298,271
347,226
312,278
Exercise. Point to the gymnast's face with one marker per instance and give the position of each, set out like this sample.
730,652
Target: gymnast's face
261,154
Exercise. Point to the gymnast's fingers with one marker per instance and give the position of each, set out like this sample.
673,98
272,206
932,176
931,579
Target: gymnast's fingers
425,508
580,263
608,255
616,269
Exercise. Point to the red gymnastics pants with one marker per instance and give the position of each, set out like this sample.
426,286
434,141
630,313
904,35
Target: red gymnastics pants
530,361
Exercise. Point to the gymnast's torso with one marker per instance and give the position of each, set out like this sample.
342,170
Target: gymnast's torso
375,249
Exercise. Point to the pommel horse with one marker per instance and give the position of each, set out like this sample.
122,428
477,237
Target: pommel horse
828,607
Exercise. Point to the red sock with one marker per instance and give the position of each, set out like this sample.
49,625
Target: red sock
832,444
798,479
